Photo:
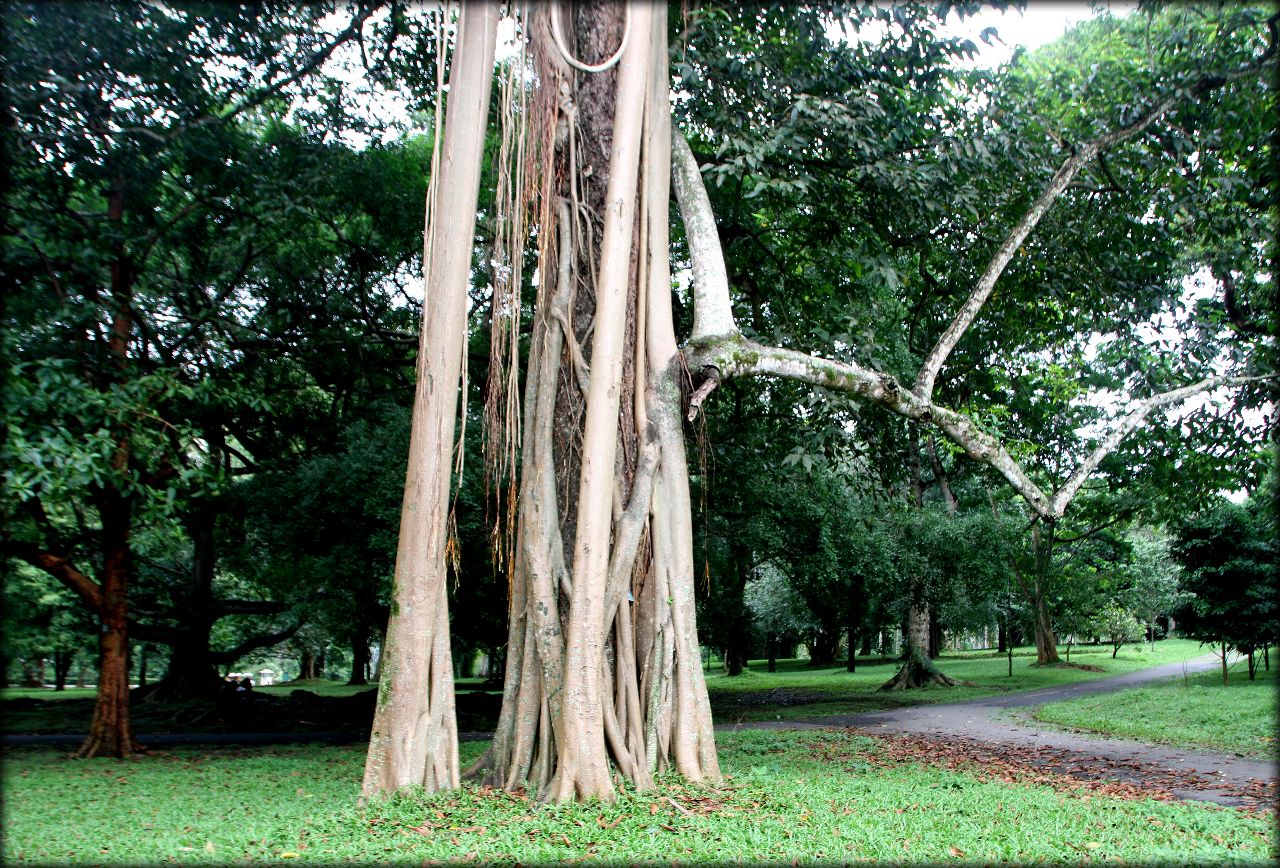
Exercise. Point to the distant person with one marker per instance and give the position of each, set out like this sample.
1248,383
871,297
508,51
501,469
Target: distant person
226,696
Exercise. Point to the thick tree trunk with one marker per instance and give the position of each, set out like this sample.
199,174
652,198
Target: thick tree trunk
917,669
306,665
603,663
415,740
1042,542
1046,640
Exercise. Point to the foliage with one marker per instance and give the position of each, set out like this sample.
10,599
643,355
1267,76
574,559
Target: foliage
1116,625
1228,553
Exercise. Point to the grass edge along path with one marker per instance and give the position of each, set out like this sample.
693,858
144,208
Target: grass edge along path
799,691
1198,712
811,796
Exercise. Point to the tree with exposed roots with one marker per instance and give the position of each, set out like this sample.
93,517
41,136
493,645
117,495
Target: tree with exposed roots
603,679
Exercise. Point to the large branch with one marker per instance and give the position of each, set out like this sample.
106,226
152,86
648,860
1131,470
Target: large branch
59,567
712,309
739,357
968,312
1128,423
222,608
253,643
728,354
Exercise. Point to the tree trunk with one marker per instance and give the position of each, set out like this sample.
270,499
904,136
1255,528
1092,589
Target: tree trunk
359,657
1002,637
603,658
1223,648
61,667
142,666
415,739
1251,670
1042,541
917,669
306,665
110,730
854,616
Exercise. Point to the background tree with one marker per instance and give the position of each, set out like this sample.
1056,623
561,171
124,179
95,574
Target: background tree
1227,552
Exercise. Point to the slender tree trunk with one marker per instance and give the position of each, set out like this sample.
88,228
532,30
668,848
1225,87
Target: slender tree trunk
359,657
1223,648
61,667
854,615
1002,637
110,730
415,740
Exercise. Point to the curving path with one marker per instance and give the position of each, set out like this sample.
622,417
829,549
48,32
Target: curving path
1206,776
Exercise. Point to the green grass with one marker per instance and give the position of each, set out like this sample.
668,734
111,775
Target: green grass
807,796
46,693
1199,712
798,691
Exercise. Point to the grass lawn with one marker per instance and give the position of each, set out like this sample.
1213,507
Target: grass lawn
1198,713
807,796
798,691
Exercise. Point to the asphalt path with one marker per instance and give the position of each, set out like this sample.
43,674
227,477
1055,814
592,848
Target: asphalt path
989,719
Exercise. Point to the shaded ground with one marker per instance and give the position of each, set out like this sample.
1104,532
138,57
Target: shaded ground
300,714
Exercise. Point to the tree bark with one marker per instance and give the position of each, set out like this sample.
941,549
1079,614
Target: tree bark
61,668
359,657
110,730
603,663
414,739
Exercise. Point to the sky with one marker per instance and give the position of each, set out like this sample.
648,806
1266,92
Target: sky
1041,22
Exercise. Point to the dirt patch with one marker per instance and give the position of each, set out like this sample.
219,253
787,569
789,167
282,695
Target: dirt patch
1064,770
778,697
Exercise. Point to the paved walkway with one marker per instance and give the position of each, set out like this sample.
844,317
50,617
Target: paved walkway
987,720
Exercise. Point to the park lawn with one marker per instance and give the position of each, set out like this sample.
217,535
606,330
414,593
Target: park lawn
811,796
797,691
1198,712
